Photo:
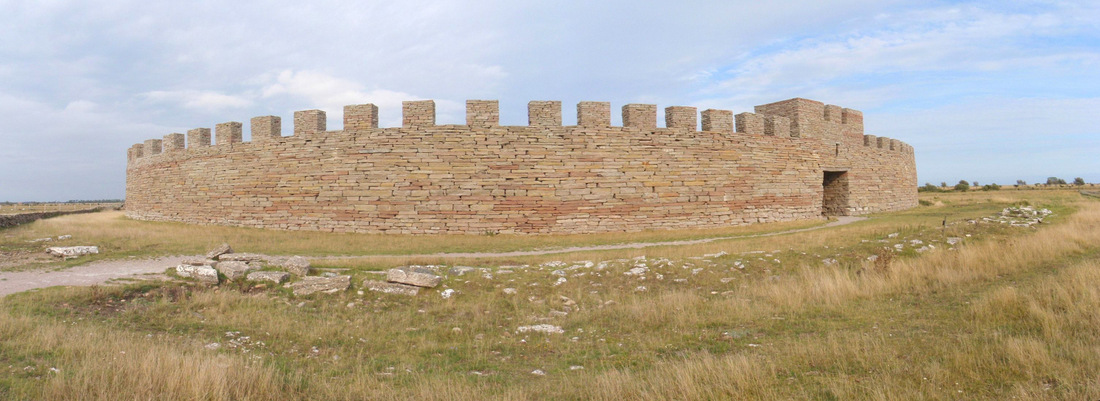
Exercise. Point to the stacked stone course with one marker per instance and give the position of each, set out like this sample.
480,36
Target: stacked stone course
794,159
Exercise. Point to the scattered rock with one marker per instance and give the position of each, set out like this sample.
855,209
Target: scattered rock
274,277
541,328
204,274
412,275
72,251
447,293
64,237
391,288
327,285
297,266
510,291
460,270
538,372
219,251
233,269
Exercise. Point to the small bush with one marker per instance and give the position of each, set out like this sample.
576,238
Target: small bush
928,187
962,186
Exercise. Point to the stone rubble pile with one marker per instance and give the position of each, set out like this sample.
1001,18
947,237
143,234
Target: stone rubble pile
294,271
247,266
1023,216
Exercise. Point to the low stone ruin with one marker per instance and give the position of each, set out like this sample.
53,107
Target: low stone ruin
222,261
1022,216
247,266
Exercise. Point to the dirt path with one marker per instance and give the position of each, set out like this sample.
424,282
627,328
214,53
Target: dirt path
842,220
89,274
103,271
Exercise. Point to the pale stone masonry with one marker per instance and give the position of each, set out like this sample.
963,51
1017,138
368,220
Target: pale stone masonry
309,122
420,113
681,117
641,116
717,120
360,117
172,143
482,113
266,128
544,113
152,146
795,159
594,114
198,137
226,133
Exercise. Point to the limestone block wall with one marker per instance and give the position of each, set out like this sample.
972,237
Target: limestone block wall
541,178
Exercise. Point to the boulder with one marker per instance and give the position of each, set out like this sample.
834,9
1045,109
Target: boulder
72,251
296,265
391,288
204,274
219,251
234,270
274,277
418,276
313,284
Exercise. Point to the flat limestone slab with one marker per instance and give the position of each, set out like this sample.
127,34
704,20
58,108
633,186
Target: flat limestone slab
234,270
274,277
418,276
219,251
391,288
204,274
327,285
296,265
72,251
242,257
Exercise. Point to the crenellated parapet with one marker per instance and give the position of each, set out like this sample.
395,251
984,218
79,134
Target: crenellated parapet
795,118
701,169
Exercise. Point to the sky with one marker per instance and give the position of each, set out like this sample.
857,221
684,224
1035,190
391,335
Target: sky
993,91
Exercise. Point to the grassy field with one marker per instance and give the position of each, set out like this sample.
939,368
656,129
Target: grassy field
19,208
1003,313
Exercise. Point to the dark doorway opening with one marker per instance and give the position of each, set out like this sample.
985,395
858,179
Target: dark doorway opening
835,199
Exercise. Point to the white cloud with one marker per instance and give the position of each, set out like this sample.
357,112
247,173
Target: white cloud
331,94
937,40
209,101
999,139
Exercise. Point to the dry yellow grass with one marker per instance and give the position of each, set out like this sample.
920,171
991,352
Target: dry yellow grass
1011,313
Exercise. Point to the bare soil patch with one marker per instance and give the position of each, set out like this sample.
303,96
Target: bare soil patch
90,274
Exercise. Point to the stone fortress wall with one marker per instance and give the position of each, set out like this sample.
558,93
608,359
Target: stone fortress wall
794,159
